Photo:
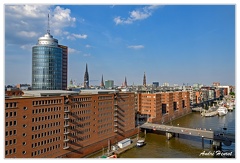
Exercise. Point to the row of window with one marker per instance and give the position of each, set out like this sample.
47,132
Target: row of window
80,112
105,108
47,102
47,133
105,98
39,127
11,114
44,118
45,110
105,125
44,150
105,120
10,151
105,103
80,125
11,105
106,131
81,106
80,119
44,142
82,99
10,142
104,114
11,132
10,123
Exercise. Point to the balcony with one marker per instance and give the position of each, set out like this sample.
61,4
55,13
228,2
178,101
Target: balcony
66,110
66,140
115,108
115,114
66,125
115,119
115,125
65,147
66,118
115,130
115,103
66,132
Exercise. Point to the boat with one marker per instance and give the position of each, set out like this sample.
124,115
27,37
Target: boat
140,143
222,111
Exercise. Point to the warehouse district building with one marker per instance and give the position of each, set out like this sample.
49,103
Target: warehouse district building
53,123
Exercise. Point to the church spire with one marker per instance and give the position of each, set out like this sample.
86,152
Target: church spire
144,80
102,84
125,82
86,78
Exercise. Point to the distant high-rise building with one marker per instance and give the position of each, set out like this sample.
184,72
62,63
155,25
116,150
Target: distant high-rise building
49,64
109,84
86,78
155,84
102,83
144,80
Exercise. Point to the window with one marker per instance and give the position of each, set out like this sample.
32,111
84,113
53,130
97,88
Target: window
24,108
24,125
24,152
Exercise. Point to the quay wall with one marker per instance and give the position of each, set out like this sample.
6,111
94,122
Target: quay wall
84,151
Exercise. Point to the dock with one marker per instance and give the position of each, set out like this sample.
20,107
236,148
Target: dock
122,150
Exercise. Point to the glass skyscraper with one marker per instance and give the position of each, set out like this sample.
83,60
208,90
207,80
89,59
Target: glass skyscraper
48,64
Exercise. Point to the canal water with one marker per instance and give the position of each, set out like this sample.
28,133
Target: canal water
186,146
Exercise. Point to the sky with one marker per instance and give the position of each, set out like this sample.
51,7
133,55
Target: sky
171,43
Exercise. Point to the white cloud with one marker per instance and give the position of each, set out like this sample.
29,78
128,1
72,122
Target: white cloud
135,15
27,34
87,55
73,36
136,47
88,46
27,47
73,51
84,36
24,24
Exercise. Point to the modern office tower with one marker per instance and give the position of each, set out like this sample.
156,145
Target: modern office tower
57,123
49,64
86,78
109,84
144,80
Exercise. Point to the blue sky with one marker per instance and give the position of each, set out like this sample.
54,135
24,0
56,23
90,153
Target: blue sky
170,43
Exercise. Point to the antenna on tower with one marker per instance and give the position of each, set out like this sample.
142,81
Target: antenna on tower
48,28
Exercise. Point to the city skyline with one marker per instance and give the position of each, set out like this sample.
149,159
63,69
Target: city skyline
171,43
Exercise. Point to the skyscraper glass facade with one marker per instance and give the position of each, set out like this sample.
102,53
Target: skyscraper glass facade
47,64
46,68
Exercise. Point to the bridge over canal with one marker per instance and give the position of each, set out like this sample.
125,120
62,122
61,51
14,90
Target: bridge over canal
171,131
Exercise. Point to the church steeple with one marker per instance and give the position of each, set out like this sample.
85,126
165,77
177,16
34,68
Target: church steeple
144,80
125,82
102,83
86,78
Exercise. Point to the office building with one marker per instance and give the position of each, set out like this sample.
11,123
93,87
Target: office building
49,64
50,124
109,84
164,106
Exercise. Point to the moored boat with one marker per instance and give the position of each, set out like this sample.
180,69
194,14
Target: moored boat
140,143
222,111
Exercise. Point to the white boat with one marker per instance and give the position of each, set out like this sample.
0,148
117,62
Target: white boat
222,111
140,143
